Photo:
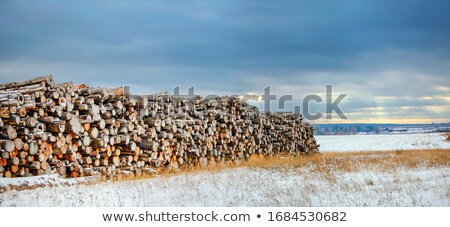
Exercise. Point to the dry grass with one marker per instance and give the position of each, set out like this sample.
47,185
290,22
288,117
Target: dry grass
328,163
448,137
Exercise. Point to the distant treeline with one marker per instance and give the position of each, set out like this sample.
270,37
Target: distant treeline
351,129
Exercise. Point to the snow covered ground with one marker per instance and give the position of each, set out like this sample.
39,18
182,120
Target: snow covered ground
386,142
423,185
281,186
26,183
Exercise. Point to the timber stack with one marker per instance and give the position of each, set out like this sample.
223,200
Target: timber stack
75,130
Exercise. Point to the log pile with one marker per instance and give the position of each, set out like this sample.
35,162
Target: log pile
75,130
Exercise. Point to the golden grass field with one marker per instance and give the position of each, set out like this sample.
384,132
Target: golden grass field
326,163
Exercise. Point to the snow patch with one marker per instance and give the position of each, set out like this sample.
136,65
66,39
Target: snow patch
26,183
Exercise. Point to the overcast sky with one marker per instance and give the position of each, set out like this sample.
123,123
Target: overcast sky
391,58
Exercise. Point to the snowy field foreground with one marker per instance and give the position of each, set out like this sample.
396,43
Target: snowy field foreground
387,178
385,142
283,186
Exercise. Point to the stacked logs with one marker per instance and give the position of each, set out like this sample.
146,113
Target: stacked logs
75,130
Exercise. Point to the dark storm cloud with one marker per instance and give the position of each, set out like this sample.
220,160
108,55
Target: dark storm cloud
364,48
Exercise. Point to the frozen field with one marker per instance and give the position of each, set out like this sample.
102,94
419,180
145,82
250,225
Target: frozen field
252,187
382,142
382,180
